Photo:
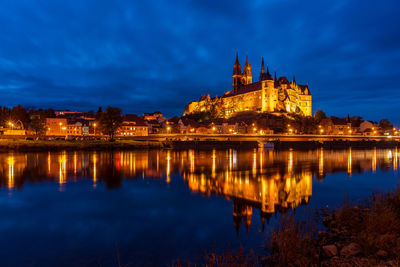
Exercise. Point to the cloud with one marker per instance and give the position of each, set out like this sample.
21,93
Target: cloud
160,55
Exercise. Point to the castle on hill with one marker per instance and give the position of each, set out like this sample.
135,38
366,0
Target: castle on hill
269,94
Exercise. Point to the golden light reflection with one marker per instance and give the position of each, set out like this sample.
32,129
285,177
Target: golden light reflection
395,159
290,161
94,170
349,162
48,162
168,166
213,163
373,167
254,169
75,162
321,163
62,162
191,159
11,162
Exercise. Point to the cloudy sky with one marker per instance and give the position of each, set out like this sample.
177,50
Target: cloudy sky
159,55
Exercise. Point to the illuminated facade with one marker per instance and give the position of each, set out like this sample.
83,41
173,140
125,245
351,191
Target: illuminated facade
56,126
266,95
133,125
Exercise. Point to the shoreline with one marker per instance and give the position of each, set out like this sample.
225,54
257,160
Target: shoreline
56,145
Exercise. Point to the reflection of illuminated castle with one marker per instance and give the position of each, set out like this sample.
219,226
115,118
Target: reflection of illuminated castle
254,187
267,95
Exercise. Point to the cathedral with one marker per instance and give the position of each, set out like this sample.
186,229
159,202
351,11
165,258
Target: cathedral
269,94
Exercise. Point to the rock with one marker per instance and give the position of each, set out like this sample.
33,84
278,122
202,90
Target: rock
382,254
353,249
330,250
322,233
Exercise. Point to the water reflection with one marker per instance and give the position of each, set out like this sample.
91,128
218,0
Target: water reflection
269,181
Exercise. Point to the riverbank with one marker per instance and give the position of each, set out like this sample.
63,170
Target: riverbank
127,144
362,234
57,145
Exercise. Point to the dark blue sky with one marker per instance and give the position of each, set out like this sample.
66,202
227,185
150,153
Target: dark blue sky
159,55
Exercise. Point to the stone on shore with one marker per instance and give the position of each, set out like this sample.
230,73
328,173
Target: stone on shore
330,250
353,249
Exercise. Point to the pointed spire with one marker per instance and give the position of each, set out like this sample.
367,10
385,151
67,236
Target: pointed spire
247,59
275,77
294,79
262,65
237,69
268,70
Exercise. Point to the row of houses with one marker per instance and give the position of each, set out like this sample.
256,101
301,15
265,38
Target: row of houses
339,126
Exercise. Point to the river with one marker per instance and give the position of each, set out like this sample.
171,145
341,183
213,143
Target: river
151,207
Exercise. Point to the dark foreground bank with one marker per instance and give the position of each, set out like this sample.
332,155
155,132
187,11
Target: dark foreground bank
362,234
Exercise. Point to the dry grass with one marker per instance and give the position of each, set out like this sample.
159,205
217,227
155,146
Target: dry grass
226,259
374,224
293,239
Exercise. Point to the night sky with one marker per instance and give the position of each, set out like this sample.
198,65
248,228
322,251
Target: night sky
145,56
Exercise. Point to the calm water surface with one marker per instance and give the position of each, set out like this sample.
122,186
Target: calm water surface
151,207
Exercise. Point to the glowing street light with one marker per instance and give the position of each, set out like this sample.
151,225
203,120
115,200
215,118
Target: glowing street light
94,125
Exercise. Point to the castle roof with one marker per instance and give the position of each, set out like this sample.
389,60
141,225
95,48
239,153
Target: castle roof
246,89
283,80
304,89
134,119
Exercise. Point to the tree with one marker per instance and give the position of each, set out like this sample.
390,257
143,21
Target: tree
319,115
99,112
19,113
38,124
110,121
385,125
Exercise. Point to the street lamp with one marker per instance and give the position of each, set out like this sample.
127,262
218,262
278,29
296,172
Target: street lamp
94,125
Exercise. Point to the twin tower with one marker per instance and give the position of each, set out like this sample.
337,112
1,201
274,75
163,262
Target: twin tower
240,78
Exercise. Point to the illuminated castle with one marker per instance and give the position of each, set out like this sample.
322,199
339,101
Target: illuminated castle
269,94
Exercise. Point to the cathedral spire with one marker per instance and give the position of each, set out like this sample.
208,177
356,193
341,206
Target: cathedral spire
237,69
294,79
262,65
275,77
